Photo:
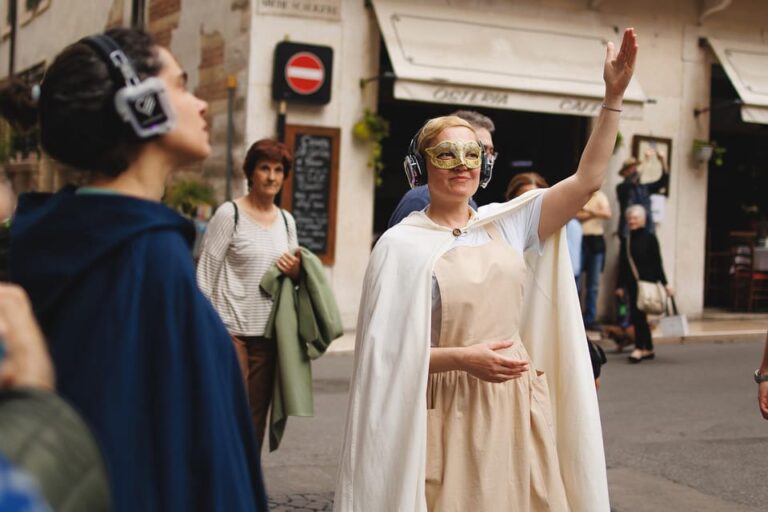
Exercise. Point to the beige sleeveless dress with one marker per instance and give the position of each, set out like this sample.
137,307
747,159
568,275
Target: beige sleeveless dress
490,447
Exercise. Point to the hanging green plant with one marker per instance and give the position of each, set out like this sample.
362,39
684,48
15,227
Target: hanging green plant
619,142
185,196
373,128
704,151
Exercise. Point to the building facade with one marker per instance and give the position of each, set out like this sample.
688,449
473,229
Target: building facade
534,66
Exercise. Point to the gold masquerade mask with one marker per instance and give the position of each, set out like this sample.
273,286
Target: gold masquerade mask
452,153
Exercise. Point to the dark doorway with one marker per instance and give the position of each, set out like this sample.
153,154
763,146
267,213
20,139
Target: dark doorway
736,194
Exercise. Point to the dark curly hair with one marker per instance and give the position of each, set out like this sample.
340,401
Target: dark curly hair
79,125
267,149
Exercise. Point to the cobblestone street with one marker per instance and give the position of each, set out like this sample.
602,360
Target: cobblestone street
679,432
301,502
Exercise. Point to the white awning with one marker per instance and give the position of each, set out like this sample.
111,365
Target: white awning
469,56
747,68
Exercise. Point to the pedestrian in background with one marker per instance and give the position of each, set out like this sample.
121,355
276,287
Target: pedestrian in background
244,239
631,191
639,250
138,350
592,217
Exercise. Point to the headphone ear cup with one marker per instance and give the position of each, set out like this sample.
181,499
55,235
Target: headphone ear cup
486,169
422,169
415,170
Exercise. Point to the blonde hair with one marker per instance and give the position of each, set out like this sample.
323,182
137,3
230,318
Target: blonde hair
433,127
520,180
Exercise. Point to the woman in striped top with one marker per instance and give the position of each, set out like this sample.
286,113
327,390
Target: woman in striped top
244,239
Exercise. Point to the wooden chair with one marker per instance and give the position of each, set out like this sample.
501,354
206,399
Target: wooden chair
749,286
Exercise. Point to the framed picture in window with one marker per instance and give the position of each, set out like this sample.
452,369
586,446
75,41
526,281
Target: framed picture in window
654,155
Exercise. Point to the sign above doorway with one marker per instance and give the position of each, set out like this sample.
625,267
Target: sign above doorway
315,9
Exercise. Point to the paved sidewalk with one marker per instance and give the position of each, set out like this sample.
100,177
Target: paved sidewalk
715,326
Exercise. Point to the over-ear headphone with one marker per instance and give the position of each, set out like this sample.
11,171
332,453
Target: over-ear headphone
143,104
416,170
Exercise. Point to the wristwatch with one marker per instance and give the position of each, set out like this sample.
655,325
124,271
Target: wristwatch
760,377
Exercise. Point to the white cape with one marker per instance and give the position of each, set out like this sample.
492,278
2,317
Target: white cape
383,456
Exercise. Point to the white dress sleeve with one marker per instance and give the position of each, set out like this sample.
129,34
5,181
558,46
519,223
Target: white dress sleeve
520,228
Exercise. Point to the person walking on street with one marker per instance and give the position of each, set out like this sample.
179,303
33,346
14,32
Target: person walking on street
244,239
640,250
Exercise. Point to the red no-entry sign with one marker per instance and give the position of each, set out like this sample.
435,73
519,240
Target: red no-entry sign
302,73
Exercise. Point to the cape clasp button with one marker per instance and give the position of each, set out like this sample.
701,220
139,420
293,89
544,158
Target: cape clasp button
456,232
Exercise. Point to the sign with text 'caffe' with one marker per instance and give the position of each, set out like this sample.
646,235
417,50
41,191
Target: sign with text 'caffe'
506,99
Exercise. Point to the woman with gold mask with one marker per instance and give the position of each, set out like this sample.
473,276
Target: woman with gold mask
472,387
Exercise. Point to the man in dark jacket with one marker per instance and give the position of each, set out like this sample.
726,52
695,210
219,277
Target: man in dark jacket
631,191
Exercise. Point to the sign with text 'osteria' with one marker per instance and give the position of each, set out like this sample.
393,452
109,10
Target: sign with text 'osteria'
302,73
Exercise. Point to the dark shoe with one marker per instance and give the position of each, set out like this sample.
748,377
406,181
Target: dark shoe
635,360
594,326
652,355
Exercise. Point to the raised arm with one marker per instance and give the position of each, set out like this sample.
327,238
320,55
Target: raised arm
562,201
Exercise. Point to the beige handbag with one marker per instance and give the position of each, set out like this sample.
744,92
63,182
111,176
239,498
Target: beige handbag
651,297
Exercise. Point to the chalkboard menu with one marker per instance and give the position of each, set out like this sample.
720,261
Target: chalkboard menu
310,190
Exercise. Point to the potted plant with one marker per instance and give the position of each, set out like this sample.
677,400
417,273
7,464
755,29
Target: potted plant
185,196
619,142
704,151
373,128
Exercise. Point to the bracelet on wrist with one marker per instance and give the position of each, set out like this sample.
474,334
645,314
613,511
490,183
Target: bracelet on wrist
611,109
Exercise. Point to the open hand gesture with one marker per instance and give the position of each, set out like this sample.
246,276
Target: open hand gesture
619,67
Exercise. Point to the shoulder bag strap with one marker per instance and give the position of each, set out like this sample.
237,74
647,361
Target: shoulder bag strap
237,213
631,261
287,228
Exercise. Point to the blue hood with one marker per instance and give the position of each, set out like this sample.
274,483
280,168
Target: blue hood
55,238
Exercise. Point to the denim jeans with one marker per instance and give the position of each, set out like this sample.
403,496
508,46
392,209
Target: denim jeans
591,268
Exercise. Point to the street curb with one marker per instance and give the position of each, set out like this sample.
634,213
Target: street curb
346,344
713,337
